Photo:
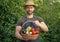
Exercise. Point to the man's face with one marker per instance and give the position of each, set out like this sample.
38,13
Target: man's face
30,9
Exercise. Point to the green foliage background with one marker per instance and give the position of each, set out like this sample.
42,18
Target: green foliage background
12,10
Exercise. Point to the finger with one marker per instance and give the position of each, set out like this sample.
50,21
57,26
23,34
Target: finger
33,22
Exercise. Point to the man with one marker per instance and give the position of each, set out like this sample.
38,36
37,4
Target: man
29,7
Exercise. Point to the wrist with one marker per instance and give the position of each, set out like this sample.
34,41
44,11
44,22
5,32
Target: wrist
39,25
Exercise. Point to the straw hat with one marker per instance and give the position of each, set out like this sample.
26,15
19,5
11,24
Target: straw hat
30,2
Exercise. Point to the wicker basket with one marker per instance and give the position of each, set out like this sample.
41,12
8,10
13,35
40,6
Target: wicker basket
29,36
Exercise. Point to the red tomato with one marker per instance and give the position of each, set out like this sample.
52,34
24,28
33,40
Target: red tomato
32,29
37,29
37,32
33,32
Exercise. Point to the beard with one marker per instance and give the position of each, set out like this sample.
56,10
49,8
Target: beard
29,12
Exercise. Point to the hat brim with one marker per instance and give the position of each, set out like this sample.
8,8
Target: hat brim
35,5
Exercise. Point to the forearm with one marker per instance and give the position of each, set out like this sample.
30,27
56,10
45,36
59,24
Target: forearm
18,29
43,27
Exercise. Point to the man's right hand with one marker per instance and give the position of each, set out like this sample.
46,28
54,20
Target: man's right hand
17,33
23,38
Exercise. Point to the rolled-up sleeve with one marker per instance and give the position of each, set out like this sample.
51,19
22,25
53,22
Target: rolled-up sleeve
40,19
19,22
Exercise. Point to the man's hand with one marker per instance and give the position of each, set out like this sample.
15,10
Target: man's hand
36,22
23,38
17,33
42,25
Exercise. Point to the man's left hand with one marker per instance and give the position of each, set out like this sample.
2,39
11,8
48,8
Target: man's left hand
36,22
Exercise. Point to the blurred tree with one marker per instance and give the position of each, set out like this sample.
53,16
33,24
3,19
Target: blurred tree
12,10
